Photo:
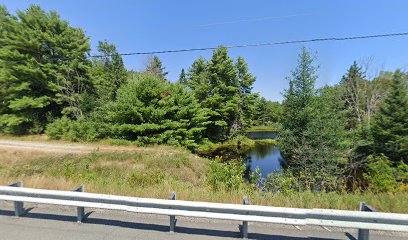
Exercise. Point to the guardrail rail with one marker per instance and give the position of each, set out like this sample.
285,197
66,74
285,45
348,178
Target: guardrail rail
366,219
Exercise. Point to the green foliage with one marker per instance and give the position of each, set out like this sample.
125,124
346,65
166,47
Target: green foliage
228,175
224,88
382,177
295,181
81,129
43,69
266,113
147,110
313,125
390,128
109,72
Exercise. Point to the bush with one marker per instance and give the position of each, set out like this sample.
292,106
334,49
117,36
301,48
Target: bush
382,177
82,129
229,175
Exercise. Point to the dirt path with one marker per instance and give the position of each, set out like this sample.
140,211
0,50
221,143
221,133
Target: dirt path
60,147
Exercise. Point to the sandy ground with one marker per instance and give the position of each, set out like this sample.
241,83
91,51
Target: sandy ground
59,147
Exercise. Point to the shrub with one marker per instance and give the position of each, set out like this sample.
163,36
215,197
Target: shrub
382,177
82,129
228,175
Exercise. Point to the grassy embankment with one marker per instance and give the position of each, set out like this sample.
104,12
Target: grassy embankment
156,171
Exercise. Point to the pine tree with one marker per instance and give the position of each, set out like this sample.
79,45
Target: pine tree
49,72
223,96
224,88
247,98
155,67
109,71
150,110
197,79
390,128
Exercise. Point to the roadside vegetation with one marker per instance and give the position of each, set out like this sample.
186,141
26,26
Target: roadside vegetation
343,143
139,173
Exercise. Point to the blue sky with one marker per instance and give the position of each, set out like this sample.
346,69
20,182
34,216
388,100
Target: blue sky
136,26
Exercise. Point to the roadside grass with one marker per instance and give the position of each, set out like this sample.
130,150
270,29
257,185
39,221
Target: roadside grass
34,137
161,170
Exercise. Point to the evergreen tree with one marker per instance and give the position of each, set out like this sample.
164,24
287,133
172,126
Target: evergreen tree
390,128
150,110
109,71
183,78
43,69
247,98
223,96
197,79
300,94
266,112
155,67
313,127
225,89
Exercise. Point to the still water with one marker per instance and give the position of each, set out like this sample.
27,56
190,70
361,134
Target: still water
267,157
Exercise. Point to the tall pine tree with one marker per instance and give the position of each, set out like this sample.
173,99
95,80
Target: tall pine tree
43,69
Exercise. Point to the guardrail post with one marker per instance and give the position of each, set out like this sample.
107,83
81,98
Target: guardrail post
80,210
18,206
173,219
364,234
244,227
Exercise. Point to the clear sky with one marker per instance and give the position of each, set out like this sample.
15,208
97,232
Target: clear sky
136,26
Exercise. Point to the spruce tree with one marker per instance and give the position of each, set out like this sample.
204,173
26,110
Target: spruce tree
300,94
183,78
390,128
312,126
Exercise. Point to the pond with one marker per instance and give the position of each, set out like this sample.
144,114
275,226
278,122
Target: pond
266,157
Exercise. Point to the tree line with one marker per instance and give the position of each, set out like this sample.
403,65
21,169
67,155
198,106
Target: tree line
50,83
353,134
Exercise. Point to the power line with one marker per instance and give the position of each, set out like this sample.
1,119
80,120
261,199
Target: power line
265,44
239,46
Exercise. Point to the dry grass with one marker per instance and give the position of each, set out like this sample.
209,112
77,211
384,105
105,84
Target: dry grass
157,171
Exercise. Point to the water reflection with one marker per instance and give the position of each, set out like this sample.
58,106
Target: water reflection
266,157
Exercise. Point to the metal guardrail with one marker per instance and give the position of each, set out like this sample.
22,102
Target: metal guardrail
363,220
